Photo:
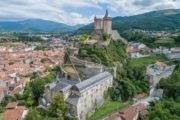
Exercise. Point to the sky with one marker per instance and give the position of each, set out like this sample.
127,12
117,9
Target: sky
74,12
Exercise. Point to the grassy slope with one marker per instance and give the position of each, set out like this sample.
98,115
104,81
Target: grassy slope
107,56
147,60
108,108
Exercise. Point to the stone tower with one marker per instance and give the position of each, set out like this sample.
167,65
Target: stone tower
103,25
98,23
107,24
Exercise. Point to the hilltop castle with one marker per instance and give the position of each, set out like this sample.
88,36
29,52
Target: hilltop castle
103,25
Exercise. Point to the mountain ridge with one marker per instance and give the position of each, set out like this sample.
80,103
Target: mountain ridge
36,25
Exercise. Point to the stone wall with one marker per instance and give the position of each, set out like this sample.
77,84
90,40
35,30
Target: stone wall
92,99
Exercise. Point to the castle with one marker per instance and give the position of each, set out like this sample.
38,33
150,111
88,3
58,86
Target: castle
102,25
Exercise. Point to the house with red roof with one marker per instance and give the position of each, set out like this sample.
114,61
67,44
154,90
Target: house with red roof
130,113
14,112
158,70
139,96
3,92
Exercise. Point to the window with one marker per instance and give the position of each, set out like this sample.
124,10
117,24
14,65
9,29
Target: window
97,90
85,105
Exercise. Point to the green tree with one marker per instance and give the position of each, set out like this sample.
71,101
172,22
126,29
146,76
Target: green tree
33,115
83,37
58,106
177,40
37,88
105,36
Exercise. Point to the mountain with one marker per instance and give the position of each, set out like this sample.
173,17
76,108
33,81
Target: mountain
36,25
155,21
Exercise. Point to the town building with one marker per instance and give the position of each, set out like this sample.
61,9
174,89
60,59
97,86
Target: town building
82,97
130,113
139,97
173,56
157,71
161,50
137,50
14,112
137,55
19,62
136,47
158,93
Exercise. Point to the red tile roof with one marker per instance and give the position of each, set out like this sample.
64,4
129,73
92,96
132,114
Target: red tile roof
17,90
128,113
140,96
113,117
11,105
13,114
161,64
140,107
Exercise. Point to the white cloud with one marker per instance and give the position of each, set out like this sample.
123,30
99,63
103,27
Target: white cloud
61,10
133,7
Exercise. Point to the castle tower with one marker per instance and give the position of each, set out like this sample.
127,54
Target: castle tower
98,23
107,23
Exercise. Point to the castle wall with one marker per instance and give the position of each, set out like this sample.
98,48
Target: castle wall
98,24
92,99
107,26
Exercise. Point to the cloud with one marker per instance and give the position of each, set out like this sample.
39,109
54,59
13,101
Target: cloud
133,7
72,11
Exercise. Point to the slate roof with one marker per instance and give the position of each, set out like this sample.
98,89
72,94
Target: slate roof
73,100
82,86
62,85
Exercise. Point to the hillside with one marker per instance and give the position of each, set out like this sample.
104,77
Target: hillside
36,25
155,21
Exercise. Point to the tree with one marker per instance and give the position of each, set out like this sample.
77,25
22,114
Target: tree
105,36
33,115
177,40
58,106
34,75
37,88
83,37
29,101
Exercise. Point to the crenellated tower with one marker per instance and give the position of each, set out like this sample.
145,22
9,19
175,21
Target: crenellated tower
107,23
103,25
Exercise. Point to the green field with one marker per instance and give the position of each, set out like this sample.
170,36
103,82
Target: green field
108,108
162,41
147,60
71,70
